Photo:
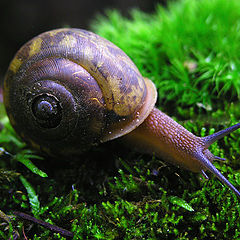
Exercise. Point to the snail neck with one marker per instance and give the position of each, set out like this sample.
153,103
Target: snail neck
170,141
161,135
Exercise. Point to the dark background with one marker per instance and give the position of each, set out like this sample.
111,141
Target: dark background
23,19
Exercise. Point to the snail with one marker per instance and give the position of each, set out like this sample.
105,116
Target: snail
69,89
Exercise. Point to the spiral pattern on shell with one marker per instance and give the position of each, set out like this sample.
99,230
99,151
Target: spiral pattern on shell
68,89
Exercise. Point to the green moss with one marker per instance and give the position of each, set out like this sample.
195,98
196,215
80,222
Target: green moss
191,52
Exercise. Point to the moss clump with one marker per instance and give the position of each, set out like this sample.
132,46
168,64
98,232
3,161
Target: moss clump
190,50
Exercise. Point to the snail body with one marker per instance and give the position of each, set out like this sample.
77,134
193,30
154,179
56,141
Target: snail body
69,89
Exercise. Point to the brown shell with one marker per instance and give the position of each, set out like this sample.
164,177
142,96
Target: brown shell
99,91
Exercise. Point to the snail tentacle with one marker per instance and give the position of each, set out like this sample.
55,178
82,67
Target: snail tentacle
220,134
219,158
204,174
210,167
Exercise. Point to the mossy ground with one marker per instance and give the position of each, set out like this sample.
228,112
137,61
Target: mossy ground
191,51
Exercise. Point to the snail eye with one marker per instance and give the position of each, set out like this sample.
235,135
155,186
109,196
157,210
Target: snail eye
47,111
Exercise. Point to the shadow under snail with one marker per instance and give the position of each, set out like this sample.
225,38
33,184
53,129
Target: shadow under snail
69,89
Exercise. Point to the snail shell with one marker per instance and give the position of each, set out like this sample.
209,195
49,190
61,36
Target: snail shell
68,89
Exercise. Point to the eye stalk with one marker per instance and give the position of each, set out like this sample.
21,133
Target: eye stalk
47,111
